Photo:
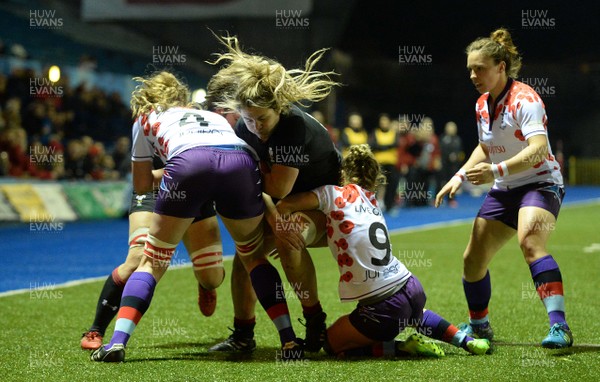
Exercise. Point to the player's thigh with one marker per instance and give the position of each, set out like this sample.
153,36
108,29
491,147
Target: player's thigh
201,234
169,229
342,336
270,242
487,237
244,229
139,220
535,226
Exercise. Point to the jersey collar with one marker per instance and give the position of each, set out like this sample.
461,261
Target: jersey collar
492,109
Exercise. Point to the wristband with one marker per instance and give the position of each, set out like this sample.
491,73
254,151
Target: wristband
460,175
500,170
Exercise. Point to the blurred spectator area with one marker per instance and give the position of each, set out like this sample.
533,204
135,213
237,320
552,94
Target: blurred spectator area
75,128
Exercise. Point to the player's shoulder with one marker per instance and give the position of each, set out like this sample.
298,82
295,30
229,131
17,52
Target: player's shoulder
522,92
482,101
294,118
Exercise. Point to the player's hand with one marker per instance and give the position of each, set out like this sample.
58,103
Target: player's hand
450,188
288,233
283,208
481,173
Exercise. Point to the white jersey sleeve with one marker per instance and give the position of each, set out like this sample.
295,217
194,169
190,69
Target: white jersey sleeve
531,116
141,148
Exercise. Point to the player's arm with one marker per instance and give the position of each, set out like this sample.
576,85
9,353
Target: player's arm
141,160
479,155
157,176
279,181
535,152
143,178
302,201
290,238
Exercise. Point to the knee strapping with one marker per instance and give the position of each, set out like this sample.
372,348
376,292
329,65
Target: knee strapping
159,251
138,237
208,257
309,233
249,247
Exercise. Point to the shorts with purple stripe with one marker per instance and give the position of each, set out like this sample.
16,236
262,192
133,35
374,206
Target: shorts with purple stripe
384,320
200,175
504,205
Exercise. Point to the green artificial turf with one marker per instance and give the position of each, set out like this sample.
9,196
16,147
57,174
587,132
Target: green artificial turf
40,330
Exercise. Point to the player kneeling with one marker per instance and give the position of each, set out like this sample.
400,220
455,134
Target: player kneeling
389,297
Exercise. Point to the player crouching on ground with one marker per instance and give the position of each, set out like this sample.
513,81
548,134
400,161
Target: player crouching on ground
389,297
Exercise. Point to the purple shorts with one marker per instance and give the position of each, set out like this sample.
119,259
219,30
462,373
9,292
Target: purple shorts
384,320
504,205
229,177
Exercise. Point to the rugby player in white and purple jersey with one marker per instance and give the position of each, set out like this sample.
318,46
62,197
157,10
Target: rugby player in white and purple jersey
527,189
389,297
205,162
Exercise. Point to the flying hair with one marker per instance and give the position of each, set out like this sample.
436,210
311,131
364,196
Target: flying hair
265,83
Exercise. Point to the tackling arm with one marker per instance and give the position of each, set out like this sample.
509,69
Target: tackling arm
143,178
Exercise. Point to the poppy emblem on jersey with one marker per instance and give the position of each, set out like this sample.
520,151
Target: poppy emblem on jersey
155,128
371,196
341,244
346,277
519,135
346,227
339,202
337,215
345,260
350,194
329,231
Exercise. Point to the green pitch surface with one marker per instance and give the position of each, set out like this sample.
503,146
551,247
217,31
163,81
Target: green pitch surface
40,330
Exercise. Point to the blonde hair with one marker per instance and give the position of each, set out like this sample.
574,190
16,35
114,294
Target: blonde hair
219,89
159,91
265,83
360,167
499,47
